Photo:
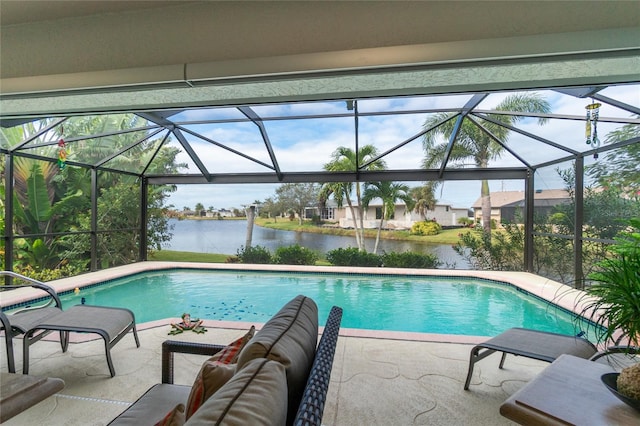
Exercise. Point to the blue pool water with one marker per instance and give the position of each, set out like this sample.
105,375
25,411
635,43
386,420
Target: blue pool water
439,305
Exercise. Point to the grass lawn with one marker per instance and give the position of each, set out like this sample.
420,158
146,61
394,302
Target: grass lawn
447,236
186,256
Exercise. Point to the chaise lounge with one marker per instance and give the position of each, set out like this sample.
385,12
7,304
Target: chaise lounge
34,323
540,345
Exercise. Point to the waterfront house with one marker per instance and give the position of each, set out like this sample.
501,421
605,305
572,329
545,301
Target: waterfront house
508,206
443,213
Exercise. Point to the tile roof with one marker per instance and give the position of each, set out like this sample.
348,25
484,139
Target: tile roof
503,198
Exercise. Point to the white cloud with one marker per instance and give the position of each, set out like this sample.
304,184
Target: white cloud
306,144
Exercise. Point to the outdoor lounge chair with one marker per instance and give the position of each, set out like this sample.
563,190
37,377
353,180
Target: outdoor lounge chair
8,341
540,345
34,323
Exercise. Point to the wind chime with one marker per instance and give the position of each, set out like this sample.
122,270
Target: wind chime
62,152
591,130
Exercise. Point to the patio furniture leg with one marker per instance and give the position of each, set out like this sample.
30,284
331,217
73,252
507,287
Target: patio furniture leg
476,356
64,340
25,351
8,338
504,356
11,364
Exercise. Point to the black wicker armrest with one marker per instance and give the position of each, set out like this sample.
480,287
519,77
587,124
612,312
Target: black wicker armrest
169,347
315,392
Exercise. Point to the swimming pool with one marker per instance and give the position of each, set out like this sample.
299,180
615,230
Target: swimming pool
440,305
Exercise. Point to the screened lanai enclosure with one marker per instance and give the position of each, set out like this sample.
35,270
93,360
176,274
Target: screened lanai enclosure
111,109
83,191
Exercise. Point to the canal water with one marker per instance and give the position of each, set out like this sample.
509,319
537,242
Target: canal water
228,236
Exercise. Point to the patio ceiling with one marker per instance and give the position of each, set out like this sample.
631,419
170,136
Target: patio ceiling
235,115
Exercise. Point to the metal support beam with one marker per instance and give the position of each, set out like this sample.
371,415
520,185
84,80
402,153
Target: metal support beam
468,107
8,215
94,220
251,114
192,154
356,132
529,204
144,213
578,221
498,141
414,175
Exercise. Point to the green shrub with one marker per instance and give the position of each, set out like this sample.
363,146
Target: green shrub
295,255
351,256
255,254
50,274
426,228
410,260
465,221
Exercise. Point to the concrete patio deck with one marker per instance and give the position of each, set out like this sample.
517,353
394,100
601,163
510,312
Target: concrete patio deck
379,378
374,381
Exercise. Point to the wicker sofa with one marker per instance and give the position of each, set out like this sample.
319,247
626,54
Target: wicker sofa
281,376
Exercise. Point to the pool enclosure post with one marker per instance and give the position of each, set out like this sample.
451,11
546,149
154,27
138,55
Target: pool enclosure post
529,201
94,220
144,198
8,215
578,221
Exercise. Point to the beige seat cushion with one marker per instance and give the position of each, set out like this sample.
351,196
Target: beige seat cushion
289,337
215,372
256,395
154,405
175,417
211,377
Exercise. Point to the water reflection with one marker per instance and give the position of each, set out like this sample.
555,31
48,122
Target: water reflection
227,236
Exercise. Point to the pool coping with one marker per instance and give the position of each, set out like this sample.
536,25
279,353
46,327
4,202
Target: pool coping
549,290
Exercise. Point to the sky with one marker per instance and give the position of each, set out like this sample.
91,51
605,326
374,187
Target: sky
306,144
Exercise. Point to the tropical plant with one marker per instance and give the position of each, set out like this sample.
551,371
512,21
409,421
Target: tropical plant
347,160
49,200
475,141
40,211
424,198
426,227
255,254
410,260
271,208
613,300
352,256
295,255
619,167
504,252
389,193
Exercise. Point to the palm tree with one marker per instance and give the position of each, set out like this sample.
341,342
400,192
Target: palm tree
424,198
389,193
345,159
473,143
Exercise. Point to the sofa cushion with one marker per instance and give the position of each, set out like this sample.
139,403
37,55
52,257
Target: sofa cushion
175,417
255,395
289,337
215,372
211,377
229,355
154,405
